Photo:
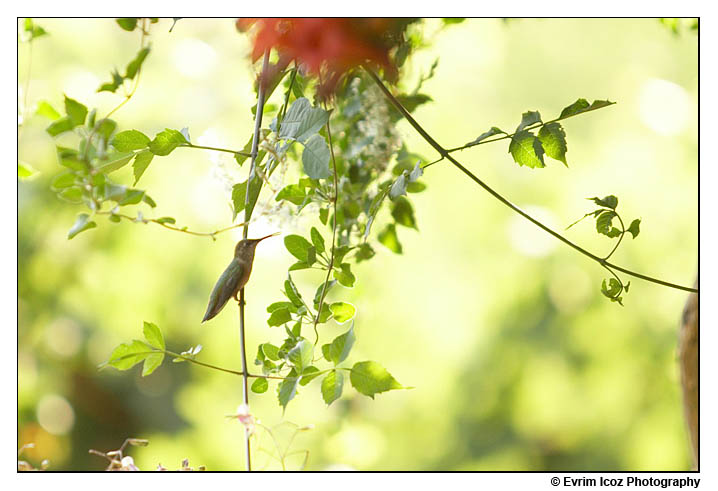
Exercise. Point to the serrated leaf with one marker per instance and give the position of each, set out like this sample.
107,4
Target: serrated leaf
340,347
582,106
297,246
526,150
129,140
487,134
301,355
260,386
125,356
302,121
389,238
315,158
166,141
153,335
342,311
332,386
553,141
634,228
527,119
317,240
370,378
142,161
82,223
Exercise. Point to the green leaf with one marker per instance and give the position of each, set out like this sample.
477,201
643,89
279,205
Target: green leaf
342,311
299,265
293,193
526,150
260,386
452,20
76,111
344,275
317,240
116,161
291,291
634,227
142,161
370,378
45,109
82,223
332,386
133,197
389,238
301,355
279,317
117,81
60,126
238,195
302,121
297,246
270,351
153,335
311,255
127,141
612,290
403,213
318,293
125,356
134,66
364,253
412,101
127,23
24,171
166,220
603,222
609,201
487,134
527,119
309,374
315,158
582,106
73,195
339,349
166,141
286,390
553,140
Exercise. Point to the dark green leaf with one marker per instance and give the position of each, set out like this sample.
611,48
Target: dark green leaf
297,246
82,223
318,293
302,121
365,252
301,355
412,101
238,195
582,106
132,197
166,220
487,134
553,140
142,161
609,201
389,238
291,291
634,228
166,141
315,158
452,20
117,81
332,386
127,23
279,317
339,349
370,378
293,193
309,374
60,126
527,119
403,213
526,150
134,66
127,141
603,222
260,386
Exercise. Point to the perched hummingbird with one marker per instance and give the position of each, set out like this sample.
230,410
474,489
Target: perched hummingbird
234,277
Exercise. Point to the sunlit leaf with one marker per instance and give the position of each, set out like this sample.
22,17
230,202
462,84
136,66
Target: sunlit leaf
370,378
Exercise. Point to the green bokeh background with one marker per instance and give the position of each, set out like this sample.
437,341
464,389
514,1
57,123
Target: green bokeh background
517,361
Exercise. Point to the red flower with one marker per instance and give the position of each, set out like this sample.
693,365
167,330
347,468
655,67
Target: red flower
332,45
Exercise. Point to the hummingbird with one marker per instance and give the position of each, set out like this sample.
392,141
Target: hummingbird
234,277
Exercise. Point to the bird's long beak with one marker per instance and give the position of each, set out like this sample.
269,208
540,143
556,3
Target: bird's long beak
266,237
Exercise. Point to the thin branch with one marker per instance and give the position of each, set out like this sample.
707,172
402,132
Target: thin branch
217,149
444,153
245,232
334,232
211,235
618,243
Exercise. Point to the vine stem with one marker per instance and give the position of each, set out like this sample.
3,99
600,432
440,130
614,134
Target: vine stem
445,154
330,266
170,227
247,215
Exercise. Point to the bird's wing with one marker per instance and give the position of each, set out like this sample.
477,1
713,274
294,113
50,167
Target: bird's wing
226,285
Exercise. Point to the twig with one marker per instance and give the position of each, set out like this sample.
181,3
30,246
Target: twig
170,227
444,153
245,232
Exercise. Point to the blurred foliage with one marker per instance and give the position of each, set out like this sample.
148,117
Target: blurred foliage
517,360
